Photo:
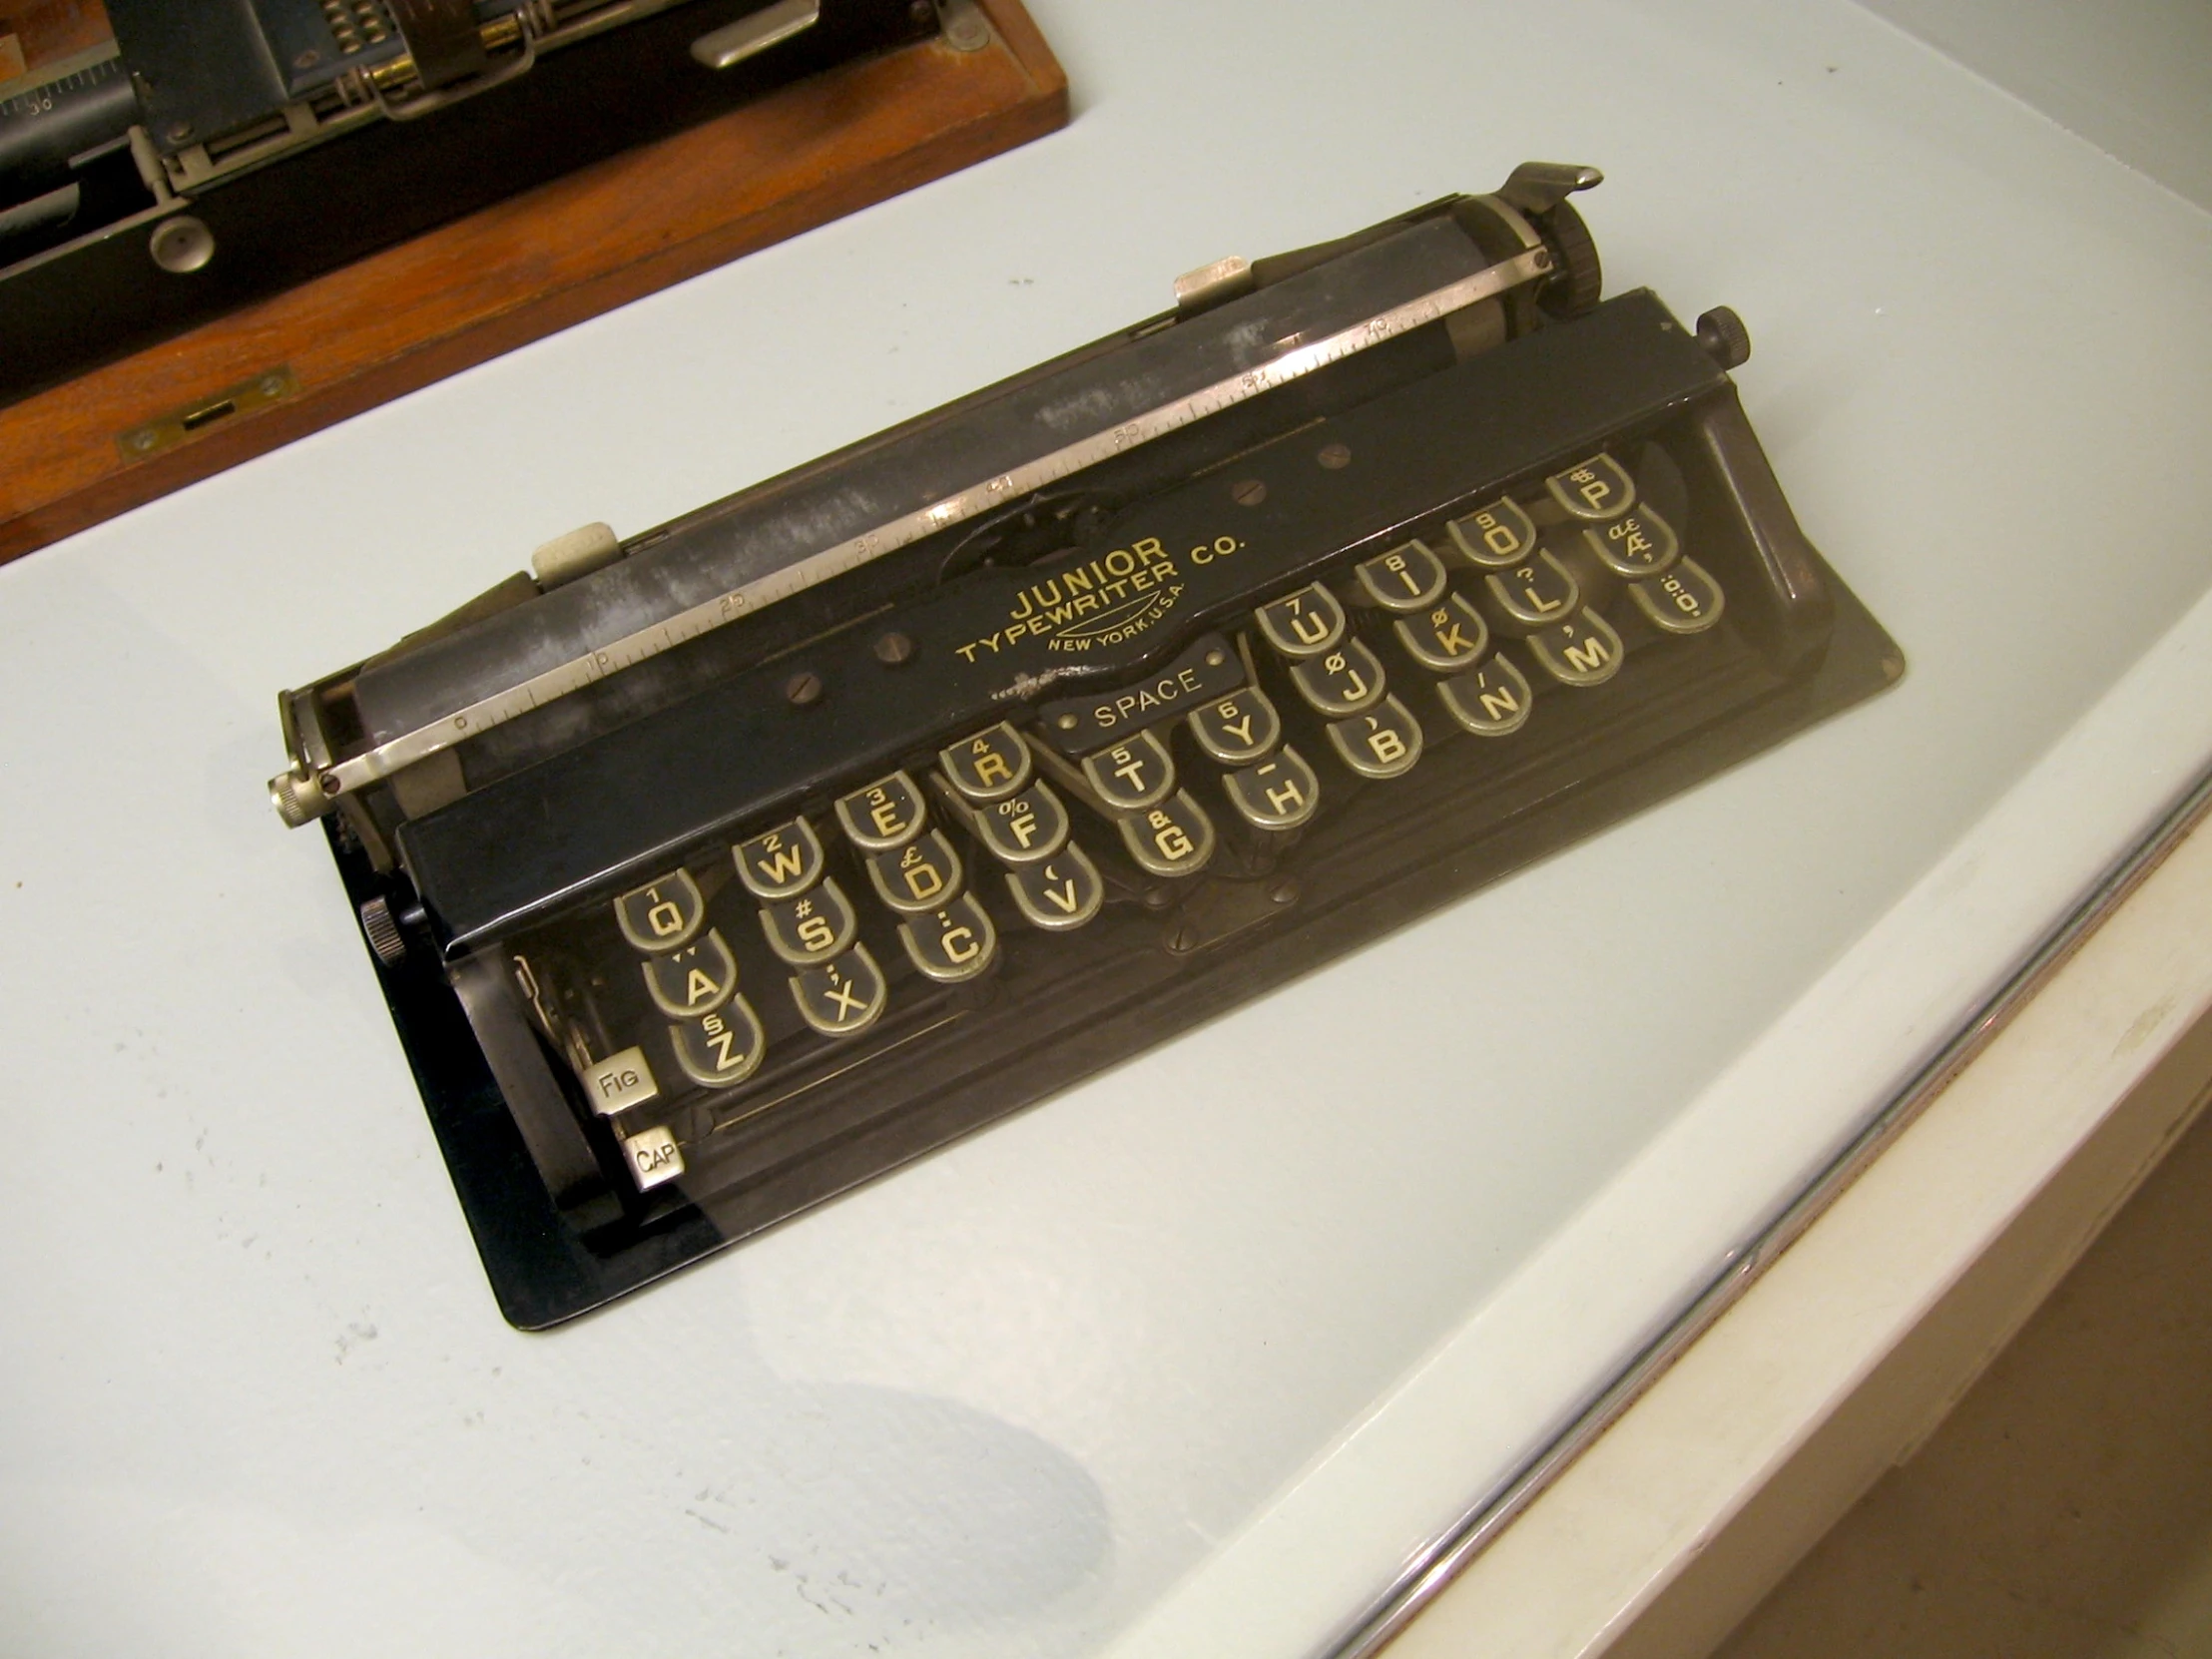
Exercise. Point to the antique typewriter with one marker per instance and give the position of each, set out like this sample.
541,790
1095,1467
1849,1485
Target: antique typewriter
163,162
711,872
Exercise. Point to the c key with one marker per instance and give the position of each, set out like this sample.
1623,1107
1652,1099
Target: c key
951,944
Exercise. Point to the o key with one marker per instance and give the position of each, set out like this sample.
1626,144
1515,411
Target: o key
1684,601
662,915
1496,537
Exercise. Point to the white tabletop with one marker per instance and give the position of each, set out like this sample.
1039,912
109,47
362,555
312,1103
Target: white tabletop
1191,1359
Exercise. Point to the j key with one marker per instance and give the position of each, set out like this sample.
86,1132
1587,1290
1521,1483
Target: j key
1173,839
1239,728
1497,537
619,1082
785,861
811,927
723,1049
1535,594
1684,601
1490,702
1635,545
887,814
1303,624
692,982
1595,491
1407,577
1447,638
951,944
652,1156
919,876
843,996
662,915
989,766
1130,775
1280,792
1025,829
1581,652
1384,743
1348,681
1062,892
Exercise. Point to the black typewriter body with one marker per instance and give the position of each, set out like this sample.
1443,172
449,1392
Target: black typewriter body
797,898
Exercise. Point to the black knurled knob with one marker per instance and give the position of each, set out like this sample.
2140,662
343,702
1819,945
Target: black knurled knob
1723,335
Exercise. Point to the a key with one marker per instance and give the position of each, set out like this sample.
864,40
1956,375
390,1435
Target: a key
1599,489
1304,624
841,996
1492,701
951,944
662,914
919,876
1382,742
779,862
1030,826
1239,728
721,1049
652,1156
1684,601
1446,639
619,1082
1409,578
1062,892
989,766
1497,537
1582,651
692,982
1280,792
1533,595
1174,839
1346,682
1636,545
810,928
1130,775
887,814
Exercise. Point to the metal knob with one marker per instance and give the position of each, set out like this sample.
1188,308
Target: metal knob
383,933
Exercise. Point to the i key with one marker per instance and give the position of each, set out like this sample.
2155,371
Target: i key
1409,578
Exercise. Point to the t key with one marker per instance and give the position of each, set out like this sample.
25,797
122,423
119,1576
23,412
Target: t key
1130,775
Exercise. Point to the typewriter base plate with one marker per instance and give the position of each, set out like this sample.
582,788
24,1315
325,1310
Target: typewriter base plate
545,1270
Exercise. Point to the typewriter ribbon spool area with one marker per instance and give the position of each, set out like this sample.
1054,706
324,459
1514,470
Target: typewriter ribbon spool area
843,816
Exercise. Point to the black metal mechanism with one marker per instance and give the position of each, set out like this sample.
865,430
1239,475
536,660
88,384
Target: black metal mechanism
212,153
1524,453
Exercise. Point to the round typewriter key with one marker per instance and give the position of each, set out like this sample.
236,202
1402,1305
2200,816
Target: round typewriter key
1345,682
1684,601
1582,651
887,813
812,926
1280,792
1130,775
841,996
1173,839
1599,489
1384,743
1490,702
1303,624
723,1049
662,915
1448,638
919,876
1239,728
1496,537
1031,827
781,861
989,766
1062,892
951,944
1407,577
1635,545
1533,595
692,982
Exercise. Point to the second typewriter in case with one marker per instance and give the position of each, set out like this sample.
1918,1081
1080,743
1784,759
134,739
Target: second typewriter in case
712,872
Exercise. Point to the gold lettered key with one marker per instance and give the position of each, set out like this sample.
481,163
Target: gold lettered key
1238,729
1382,742
1130,774
811,929
1636,545
988,767
1061,894
1533,595
1345,682
842,996
1174,839
951,944
1447,639
779,862
1302,623
1583,651
1409,578
1026,829
1492,701
1496,537
920,876
662,915
723,1049
692,982
1684,601
1280,792
885,814
1599,489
